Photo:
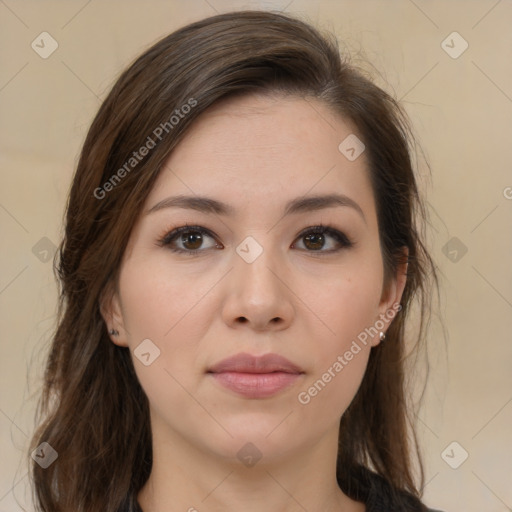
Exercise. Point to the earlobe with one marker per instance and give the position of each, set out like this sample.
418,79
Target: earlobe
110,309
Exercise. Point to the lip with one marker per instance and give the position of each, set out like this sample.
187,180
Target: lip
247,363
256,376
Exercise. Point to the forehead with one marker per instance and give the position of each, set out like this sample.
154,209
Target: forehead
272,125
268,148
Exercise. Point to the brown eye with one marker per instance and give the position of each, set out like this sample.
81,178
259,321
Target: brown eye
314,241
189,239
316,238
192,240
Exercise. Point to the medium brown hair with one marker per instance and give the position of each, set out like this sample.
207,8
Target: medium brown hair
93,411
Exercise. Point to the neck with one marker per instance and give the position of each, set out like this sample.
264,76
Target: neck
185,477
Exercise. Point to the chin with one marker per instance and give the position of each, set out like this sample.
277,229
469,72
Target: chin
255,437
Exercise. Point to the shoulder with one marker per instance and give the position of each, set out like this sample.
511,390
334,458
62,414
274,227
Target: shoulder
384,497
377,493
380,496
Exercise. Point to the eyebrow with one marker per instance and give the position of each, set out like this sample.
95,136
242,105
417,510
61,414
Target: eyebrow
295,206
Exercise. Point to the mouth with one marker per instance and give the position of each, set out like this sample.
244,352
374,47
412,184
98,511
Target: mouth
256,377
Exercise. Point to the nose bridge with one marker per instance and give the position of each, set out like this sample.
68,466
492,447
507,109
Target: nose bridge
258,293
257,262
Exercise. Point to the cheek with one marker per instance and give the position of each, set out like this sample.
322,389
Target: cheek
348,305
158,302
329,393
161,305
348,308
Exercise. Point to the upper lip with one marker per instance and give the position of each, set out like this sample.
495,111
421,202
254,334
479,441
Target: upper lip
247,363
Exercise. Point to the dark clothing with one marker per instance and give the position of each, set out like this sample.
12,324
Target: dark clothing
372,490
378,494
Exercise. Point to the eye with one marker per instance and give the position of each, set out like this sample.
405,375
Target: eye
317,237
191,238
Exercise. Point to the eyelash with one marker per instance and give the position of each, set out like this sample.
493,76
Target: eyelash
340,237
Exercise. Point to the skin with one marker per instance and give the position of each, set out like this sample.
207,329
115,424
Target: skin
254,153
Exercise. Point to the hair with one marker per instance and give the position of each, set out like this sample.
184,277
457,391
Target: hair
92,410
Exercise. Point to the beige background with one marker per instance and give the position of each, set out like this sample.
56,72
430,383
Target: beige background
462,112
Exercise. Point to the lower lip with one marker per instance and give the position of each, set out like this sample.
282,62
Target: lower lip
256,385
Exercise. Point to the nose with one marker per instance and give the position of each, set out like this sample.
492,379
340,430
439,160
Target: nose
258,294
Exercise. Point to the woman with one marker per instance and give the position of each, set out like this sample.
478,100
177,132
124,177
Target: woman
240,255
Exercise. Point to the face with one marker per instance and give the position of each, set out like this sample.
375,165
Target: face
251,274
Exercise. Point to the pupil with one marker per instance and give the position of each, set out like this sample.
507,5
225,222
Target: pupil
315,239
193,239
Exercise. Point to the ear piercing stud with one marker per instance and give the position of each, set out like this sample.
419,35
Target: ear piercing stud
382,336
113,332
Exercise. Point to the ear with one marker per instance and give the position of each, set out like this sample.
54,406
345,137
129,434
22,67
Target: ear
111,311
392,291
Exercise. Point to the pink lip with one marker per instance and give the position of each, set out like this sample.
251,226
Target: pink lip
256,377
